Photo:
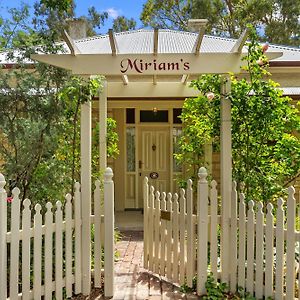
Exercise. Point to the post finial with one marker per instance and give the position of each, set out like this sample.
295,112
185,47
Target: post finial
108,174
202,174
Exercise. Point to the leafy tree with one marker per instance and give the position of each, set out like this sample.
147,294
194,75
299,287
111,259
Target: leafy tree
278,20
121,23
39,117
265,153
172,14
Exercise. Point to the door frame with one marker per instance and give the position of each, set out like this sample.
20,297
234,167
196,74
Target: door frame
121,174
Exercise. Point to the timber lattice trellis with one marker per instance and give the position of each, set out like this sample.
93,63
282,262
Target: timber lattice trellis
42,256
181,244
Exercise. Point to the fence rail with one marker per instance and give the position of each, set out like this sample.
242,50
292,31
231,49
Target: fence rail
41,254
183,242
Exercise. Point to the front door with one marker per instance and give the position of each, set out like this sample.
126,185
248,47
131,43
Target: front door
154,159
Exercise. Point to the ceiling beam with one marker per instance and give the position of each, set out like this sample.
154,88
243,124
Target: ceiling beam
70,43
115,50
113,42
197,25
239,44
155,50
199,40
155,41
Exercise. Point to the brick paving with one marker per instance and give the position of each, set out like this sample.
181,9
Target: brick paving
132,281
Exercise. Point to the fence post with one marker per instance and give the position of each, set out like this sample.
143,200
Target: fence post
202,230
3,230
109,249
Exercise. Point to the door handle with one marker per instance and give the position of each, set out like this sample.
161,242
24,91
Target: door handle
140,164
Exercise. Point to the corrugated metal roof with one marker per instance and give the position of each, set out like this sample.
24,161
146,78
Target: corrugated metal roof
169,41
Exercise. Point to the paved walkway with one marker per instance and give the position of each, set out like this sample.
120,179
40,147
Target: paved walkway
132,281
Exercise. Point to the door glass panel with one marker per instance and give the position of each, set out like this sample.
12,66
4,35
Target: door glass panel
176,136
130,146
130,115
176,113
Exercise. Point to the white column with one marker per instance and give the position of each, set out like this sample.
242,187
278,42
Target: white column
226,175
109,247
86,174
103,128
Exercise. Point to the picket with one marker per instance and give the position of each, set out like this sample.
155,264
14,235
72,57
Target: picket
233,238
163,236
169,237
156,231
77,212
151,230
58,252
175,236
214,228
279,250
190,234
48,252
259,250
250,248
68,245
269,269
242,242
37,260
182,208
97,238
14,245
26,225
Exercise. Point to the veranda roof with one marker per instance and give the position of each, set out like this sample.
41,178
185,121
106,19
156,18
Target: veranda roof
167,55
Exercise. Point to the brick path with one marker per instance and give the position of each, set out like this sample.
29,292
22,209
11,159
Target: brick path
132,281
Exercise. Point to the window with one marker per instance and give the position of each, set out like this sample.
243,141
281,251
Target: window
130,115
159,116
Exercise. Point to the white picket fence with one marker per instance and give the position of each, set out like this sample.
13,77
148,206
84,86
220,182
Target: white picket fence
180,244
41,254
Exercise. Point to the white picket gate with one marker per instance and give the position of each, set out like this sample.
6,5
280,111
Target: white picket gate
181,244
41,254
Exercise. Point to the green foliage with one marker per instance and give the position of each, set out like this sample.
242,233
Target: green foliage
229,18
172,14
61,5
121,23
40,109
218,290
266,154
215,290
